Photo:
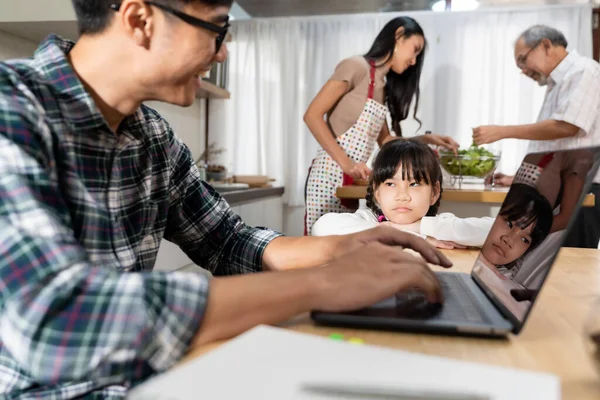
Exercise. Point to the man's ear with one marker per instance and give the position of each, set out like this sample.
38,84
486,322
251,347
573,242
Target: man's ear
435,193
546,44
138,20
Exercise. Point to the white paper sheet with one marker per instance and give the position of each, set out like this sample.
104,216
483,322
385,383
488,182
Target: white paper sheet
274,363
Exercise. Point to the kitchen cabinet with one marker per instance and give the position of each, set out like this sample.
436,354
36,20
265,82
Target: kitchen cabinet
170,257
267,213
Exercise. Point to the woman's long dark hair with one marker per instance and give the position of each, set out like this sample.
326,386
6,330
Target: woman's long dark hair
399,88
416,158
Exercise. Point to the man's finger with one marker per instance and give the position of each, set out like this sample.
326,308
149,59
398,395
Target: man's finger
421,275
394,237
456,245
429,284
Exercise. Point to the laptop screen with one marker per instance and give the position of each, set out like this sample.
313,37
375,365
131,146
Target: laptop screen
541,204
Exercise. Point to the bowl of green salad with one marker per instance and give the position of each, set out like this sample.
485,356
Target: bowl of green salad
474,162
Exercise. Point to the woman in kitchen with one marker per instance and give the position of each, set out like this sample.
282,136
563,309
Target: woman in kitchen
348,115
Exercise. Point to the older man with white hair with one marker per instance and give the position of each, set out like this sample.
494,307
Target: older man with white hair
570,114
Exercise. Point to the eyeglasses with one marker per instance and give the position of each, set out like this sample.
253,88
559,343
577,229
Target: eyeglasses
221,31
521,60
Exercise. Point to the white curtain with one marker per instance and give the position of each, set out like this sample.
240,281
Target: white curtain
469,79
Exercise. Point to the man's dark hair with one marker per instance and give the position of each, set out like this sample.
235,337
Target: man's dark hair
93,16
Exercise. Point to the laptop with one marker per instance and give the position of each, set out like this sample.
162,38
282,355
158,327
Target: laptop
496,298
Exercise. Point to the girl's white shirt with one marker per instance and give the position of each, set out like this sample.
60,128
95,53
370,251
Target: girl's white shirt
445,226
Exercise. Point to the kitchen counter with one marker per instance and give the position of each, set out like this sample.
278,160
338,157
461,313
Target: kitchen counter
242,196
470,193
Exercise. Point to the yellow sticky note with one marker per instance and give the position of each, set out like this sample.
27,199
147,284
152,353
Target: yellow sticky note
355,340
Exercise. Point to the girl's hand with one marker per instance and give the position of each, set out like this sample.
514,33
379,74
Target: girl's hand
445,244
358,171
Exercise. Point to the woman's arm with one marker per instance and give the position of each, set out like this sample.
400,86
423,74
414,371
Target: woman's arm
438,140
314,118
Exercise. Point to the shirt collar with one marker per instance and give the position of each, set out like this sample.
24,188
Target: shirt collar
76,104
558,74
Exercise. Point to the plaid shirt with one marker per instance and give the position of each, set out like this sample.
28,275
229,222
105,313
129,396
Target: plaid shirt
82,214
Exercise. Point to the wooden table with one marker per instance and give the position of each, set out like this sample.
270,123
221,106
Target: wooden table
469,194
552,341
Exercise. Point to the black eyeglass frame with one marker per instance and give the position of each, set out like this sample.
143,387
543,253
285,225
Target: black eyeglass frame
522,60
221,31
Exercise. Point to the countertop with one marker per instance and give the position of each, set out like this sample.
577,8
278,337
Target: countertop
553,340
237,197
469,193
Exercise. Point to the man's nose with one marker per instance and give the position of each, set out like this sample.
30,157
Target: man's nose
221,55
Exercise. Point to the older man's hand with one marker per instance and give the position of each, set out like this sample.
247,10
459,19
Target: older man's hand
487,134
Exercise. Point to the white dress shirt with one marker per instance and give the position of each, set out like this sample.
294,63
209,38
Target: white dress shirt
573,96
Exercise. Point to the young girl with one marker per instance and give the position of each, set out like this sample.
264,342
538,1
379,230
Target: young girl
405,192
348,115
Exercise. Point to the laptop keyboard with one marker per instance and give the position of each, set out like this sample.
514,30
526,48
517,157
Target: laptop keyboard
460,304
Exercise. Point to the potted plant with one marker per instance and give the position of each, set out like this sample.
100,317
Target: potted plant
214,171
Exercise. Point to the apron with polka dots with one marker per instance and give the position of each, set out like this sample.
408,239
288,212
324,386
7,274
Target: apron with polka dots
325,175
529,173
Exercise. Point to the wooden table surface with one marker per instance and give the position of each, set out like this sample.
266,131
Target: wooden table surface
469,193
552,341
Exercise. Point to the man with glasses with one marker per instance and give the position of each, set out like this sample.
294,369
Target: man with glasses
91,180
570,114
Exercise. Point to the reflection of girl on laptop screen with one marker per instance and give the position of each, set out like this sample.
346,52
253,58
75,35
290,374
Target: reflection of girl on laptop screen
523,222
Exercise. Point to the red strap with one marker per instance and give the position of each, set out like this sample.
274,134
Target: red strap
546,160
346,181
372,80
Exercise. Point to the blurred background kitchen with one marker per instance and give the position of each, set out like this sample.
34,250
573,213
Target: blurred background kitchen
246,128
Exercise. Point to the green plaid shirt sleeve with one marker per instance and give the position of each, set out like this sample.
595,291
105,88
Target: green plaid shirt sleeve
204,226
82,214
